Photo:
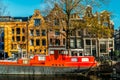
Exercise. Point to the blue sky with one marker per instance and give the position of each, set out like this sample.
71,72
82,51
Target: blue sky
27,7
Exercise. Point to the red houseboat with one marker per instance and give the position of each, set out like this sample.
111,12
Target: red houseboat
58,62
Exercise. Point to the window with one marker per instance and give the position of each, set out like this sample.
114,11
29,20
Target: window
31,42
88,42
13,39
111,44
51,42
72,43
37,33
79,33
12,31
18,38
31,32
43,42
18,30
44,50
93,42
23,30
56,22
103,47
73,33
78,43
23,38
43,33
57,32
11,46
40,50
30,50
57,42
35,50
14,46
37,42
37,22
63,41
105,24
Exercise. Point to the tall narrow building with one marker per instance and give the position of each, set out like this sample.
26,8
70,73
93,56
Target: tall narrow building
37,35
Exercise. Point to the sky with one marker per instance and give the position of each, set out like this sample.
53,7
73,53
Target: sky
26,8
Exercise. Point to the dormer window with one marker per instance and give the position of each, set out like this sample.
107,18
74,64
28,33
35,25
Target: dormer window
56,22
37,22
105,24
57,32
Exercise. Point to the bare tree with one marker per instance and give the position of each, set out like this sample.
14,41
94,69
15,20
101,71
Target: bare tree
74,6
3,9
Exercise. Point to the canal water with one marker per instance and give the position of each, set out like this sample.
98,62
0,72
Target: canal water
30,77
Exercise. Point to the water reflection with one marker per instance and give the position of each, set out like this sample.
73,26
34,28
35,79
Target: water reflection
30,77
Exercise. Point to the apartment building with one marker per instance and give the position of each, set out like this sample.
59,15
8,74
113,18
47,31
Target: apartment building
37,35
90,34
56,31
14,32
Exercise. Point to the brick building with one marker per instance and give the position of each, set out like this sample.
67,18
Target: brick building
91,34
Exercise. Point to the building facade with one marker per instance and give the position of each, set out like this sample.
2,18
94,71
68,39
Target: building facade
91,34
117,39
14,32
56,31
37,35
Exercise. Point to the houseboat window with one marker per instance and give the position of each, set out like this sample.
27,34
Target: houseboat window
85,59
43,33
31,42
37,22
41,58
37,42
51,52
43,42
18,30
74,59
